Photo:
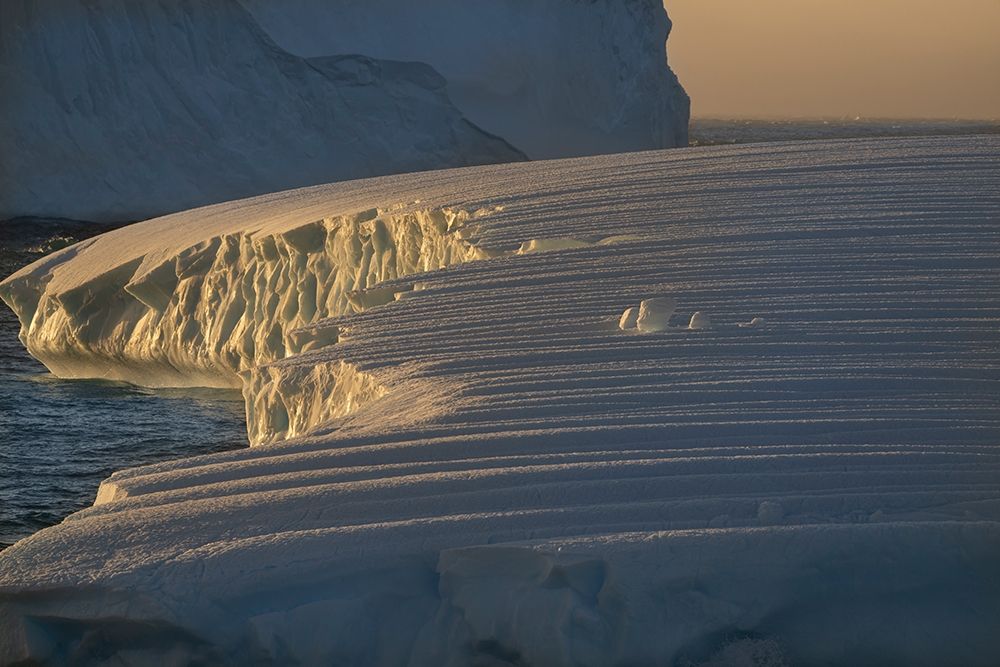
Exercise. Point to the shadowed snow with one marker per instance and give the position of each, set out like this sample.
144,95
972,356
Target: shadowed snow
489,463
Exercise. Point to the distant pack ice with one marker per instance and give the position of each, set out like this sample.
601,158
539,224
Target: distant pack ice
116,110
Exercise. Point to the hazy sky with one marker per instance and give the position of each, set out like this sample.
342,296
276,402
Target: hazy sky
789,58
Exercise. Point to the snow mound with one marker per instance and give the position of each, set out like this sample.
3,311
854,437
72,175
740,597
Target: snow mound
556,78
654,314
628,318
161,106
699,320
488,471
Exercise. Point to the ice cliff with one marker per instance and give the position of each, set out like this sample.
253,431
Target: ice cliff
556,78
119,110
642,409
205,314
116,110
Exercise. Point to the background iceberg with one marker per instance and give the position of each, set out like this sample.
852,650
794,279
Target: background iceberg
556,78
116,110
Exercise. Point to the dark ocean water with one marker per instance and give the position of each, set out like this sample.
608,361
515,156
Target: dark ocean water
59,439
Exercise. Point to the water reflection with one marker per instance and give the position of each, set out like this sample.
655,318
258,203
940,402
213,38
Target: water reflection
60,438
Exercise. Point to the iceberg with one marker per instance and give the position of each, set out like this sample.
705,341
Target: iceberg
117,111
120,111
466,449
556,78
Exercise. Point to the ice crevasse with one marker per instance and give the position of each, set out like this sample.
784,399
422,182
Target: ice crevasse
649,408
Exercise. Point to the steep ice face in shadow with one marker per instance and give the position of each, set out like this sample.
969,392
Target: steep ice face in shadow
556,78
488,460
119,110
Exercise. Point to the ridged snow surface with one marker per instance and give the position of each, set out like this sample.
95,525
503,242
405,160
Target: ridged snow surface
647,409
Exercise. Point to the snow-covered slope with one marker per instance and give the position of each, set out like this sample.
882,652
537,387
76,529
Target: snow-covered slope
119,110
556,78
500,462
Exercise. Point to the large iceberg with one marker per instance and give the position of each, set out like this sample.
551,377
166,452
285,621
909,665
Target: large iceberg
115,110
556,78
119,110
487,430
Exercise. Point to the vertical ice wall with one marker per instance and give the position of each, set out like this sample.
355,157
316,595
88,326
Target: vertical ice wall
556,78
114,110
219,308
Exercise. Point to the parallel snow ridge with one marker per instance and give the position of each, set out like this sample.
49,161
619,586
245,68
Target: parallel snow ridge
528,480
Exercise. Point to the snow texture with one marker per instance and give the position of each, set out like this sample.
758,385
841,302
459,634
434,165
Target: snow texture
119,110
556,78
467,455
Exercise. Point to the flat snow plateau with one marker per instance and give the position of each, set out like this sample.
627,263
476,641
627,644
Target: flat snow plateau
490,430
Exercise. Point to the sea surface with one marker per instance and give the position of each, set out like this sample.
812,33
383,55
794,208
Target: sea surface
59,439
716,131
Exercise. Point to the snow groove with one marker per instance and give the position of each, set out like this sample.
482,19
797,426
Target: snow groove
524,480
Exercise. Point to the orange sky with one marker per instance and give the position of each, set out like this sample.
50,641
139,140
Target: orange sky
835,58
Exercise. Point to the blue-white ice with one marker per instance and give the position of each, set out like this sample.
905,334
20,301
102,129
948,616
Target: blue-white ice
116,110
490,429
